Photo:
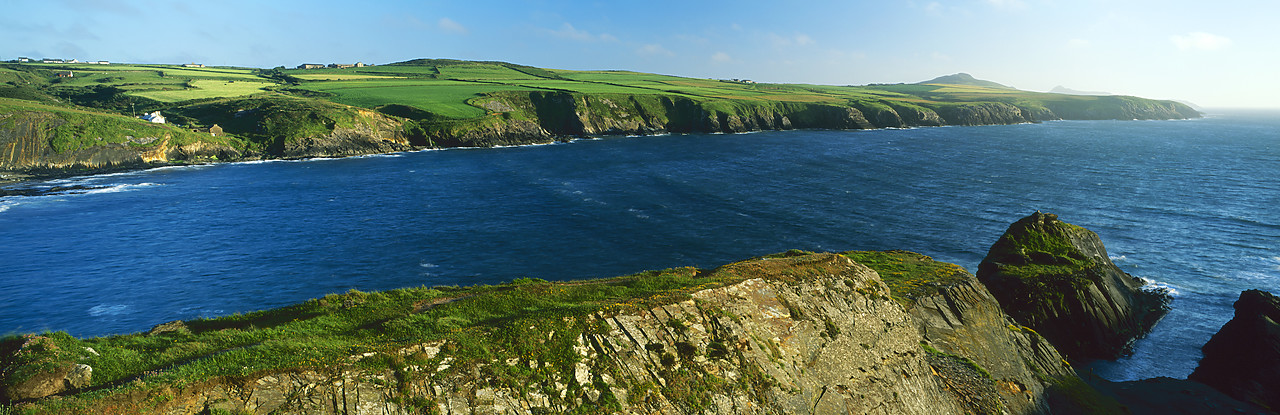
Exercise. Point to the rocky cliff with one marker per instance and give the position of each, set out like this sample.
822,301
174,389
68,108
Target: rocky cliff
795,333
1057,279
1243,357
40,140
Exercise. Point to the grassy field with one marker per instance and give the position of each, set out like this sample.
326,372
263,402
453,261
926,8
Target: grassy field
441,97
206,88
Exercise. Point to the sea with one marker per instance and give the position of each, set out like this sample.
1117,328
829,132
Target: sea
1192,206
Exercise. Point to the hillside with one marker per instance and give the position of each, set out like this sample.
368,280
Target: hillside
427,103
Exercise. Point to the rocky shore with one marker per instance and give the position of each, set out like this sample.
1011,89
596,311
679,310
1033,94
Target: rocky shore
798,332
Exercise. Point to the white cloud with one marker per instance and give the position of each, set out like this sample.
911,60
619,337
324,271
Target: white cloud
721,57
654,49
567,31
1200,41
451,26
934,8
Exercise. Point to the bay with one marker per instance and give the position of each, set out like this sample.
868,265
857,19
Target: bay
1193,205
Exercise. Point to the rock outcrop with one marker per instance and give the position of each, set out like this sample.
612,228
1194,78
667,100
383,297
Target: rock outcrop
30,370
1243,358
1057,279
804,333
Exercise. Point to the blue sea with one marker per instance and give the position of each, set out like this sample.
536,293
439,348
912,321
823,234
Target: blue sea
1192,205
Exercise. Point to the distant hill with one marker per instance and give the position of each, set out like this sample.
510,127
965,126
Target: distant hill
964,79
1064,90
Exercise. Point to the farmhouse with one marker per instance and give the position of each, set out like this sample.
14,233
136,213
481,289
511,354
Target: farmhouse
24,60
310,66
215,130
341,65
193,65
47,60
154,117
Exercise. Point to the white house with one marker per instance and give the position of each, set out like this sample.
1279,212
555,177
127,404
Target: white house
154,117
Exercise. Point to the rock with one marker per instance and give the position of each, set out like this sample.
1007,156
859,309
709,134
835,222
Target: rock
80,376
1243,358
32,369
170,327
1057,279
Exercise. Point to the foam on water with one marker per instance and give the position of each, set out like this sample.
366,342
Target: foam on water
108,310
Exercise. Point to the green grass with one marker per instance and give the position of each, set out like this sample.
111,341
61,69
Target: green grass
909,275
206,88
78,129
441,97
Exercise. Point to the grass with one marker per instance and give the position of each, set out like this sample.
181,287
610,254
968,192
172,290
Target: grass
206,88
441,97
909,275
72,129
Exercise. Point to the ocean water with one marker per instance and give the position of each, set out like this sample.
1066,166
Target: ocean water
1193,205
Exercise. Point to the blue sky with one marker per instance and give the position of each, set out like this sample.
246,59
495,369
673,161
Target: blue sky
1214,54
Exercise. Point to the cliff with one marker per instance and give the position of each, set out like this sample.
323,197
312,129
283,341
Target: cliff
1241,360
792,333
1057,279
36,137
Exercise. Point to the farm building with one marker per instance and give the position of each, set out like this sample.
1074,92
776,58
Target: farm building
193,65
215,130
310,66
154,117
67,74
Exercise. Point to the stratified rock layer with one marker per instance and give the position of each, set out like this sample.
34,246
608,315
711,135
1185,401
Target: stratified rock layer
1057,279
804,333
1243,358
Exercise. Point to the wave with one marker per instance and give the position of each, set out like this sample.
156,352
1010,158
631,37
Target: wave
1153,285
118,188
58,193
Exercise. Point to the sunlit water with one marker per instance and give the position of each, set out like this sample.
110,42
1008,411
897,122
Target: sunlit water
1194,205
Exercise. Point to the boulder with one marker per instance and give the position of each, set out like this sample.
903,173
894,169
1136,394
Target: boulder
1056,278
34,367
1243,358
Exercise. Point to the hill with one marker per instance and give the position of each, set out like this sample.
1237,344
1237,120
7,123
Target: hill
964,79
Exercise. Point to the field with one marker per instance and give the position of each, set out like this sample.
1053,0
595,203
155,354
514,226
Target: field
206,88
441,97
163,83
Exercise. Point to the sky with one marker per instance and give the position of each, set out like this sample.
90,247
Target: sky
1214,54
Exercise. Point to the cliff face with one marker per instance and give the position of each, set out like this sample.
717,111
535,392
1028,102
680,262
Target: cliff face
815,333
1241,360
38,141
1057,279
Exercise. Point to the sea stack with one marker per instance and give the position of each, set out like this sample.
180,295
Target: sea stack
1243,358
1056,278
